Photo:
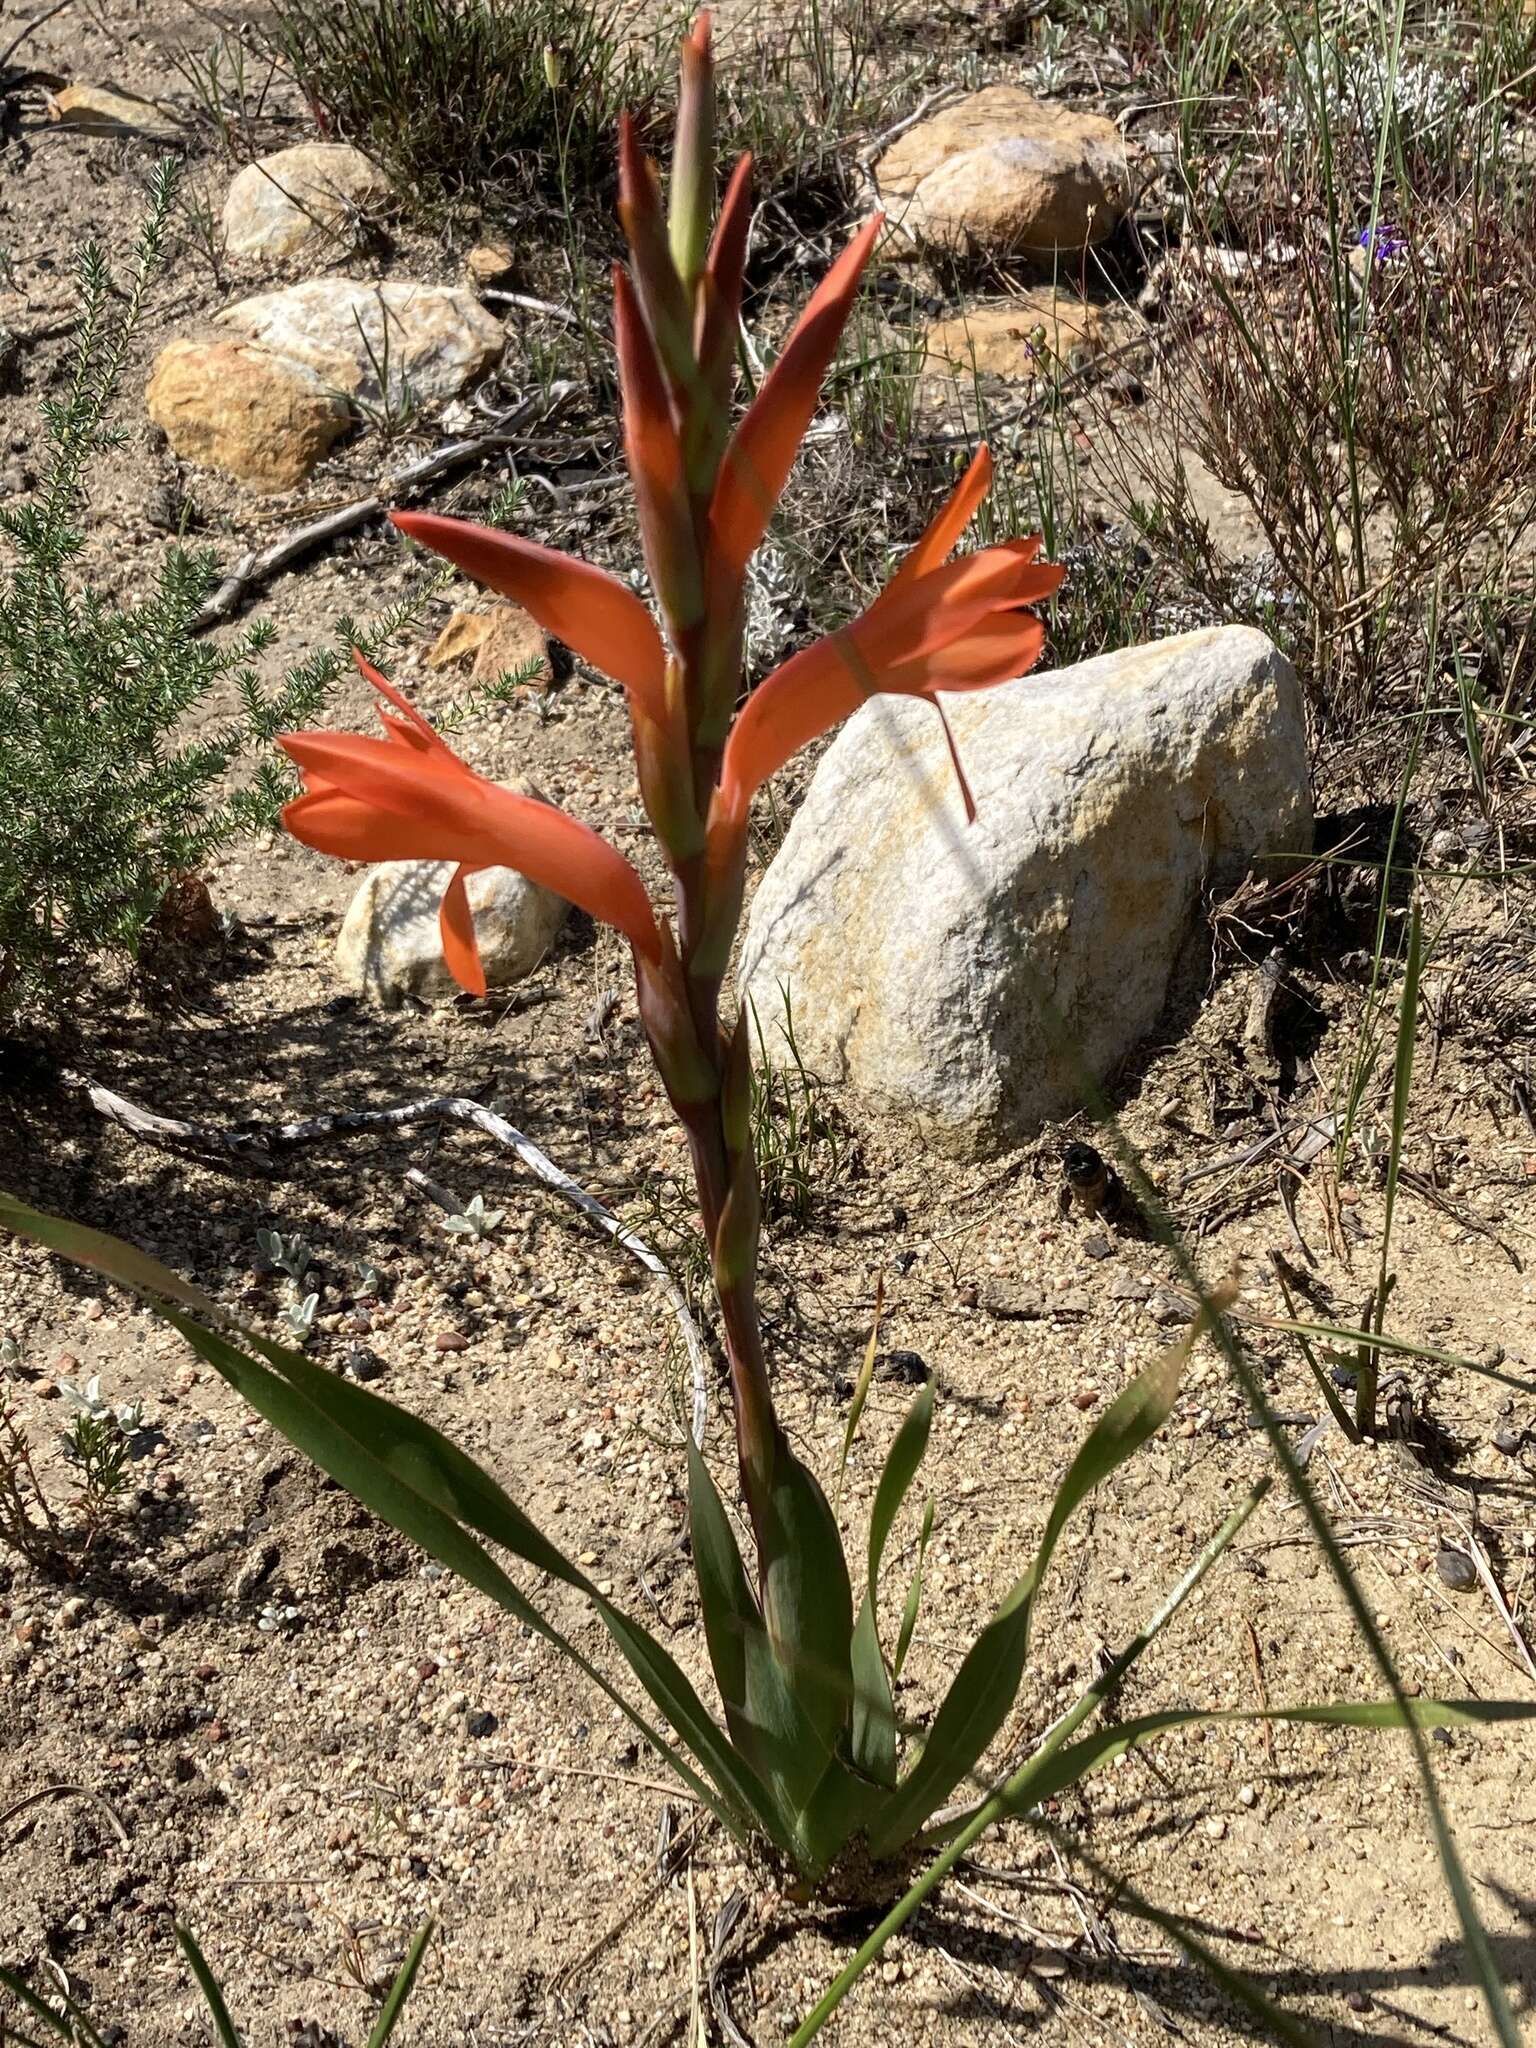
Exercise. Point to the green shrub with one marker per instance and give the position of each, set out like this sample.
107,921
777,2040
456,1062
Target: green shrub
111,797
454,96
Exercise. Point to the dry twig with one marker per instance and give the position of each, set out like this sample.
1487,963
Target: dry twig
263,1144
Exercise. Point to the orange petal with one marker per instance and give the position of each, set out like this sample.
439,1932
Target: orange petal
948,523
919,646
763,448
591,611
456,925
417,731
371,801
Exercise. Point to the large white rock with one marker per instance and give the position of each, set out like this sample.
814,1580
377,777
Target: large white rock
916,949
391,947
311,197
432,338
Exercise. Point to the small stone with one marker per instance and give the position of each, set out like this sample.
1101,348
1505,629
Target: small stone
1129,1287
66,1365
450,1340
1508,1441
427,1668
390,945
1357,2001
1246,1795
1085,1398
103,110
907,1368
73,1612
315,195
488,265
1455,1569
206,1673
479,1722
256,1568
1098,1248
1216,1827
216,1732
501,641
235,406
1167,1309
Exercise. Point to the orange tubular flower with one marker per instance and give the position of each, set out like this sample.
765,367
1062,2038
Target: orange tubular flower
588,609
410,797
936,626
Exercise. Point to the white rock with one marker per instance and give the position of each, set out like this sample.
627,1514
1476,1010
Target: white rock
1112,795
391,947
433,338
1005,174
311,197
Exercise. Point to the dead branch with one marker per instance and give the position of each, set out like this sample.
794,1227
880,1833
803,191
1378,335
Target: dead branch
262,1145
254,570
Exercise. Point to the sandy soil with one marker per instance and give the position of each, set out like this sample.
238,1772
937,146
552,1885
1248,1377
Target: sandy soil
262,1713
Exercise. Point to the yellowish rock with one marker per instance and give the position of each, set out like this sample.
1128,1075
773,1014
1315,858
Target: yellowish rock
1023,338
488,265
1005,174
234,406
504,640
103,110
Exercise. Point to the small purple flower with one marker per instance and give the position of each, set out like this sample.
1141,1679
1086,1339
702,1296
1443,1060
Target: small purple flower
1383,243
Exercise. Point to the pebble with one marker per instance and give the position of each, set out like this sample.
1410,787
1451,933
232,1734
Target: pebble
1455,1568
1507,1441
479,1722
1098,1248
73,1612
1129,1287
1085,1398
450,1340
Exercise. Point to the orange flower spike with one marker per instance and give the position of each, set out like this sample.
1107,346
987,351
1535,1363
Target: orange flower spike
762,450
656,466
691,195
707,424
667,311
410,797
591,611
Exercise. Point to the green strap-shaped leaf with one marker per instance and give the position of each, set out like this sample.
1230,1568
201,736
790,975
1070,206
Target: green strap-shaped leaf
1066,1766
412,1477
914,1598
817,1803
874,1710
807,1601
400,1989
208,1984
987,1683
